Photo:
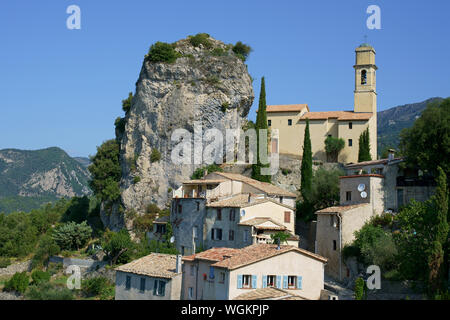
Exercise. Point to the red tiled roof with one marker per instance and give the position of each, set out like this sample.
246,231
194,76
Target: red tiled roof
269,293
287,108
236,258
362,175
339,115
368,163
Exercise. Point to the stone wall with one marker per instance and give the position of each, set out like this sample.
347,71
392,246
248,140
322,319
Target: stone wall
17,267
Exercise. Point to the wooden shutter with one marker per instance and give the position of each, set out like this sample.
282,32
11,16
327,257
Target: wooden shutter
239,281
279,282
254,283
287,216
285,282
299,282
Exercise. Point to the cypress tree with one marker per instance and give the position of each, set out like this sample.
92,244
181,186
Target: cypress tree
261,123
364,147
306,168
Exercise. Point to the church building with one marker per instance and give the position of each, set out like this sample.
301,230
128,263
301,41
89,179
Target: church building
290,120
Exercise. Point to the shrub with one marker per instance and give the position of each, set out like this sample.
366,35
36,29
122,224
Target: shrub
155,156
39,276
4,262
70,236
95,286
200,172
383,220
285,172
120,124
18,282
48,291
360,289
200,39
242,50
333,146
163,52
126,104
218,52
136,179
224,106
118,246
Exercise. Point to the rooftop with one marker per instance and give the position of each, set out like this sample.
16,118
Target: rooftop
269,293
156,265
287,108
235,258
339,209
268,188
263,224
362,175
339,115
241,201
205,181
369,163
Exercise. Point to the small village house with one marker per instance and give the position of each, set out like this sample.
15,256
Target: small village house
154,277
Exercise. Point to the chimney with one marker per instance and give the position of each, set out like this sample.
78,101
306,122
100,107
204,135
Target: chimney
391,153
178,266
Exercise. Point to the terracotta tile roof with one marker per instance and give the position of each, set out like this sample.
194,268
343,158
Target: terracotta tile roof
156,265
268,188
340,115
341,208
205,181
287,108
362,175
269,293
241,201
256,222
258,252
368,163
214,254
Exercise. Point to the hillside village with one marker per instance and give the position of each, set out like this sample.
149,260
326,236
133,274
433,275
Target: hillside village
222,233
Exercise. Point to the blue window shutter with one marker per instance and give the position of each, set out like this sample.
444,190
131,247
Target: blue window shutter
254,284
211,272
285,282
279,282
299,282
239,281
264,281
155,287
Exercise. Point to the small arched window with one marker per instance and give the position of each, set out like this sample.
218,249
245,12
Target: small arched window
363,77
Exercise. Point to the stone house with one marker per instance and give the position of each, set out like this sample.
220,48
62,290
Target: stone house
154,277
290,120
228,273
229,210
159,230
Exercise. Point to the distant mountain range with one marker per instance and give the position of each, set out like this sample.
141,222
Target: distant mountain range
390,122
31,178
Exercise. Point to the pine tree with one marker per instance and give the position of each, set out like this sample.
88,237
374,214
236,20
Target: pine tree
306,168
261,123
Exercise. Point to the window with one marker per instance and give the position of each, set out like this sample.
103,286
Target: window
231,235
246,235
161,228
348,196
350,125
269,122
180,208
350,142
159,288
287,217
198,206
246,281
363,77
182,250
222,277
232,214
216,234
191,293
271,281
142,289
211,272
128,283
289,122
334,245
219,214
292,282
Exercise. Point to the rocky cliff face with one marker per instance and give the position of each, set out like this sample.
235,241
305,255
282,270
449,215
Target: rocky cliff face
212,87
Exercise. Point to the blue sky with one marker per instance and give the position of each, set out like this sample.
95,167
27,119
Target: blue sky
61,87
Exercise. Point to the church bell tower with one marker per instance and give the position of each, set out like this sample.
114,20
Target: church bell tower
365,79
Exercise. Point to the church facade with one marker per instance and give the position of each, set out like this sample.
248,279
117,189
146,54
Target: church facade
290,120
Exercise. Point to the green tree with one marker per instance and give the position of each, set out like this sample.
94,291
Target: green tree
306,208
19,283
126,103
106,172
325,188
39,276
360,289
427,143
118,246
364,146
333,146
70,236
242,50
281,236
261,124
200,172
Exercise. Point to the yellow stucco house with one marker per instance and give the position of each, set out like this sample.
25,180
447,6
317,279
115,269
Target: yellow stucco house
290,120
